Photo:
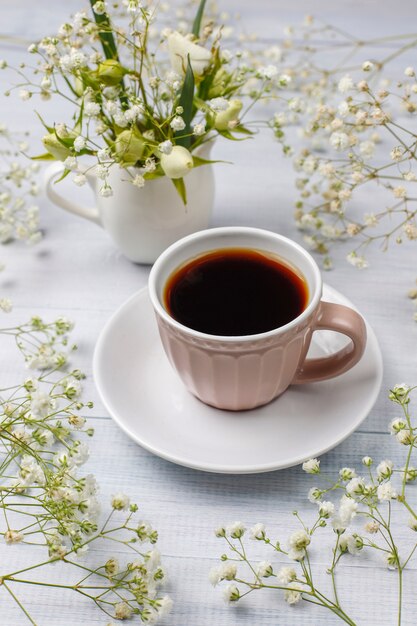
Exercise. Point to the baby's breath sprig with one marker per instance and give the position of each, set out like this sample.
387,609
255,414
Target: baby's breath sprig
356,117
361,520
48,503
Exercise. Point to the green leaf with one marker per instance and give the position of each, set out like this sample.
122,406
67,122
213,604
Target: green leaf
50,129
79,122
243,130
108,44
105,33
228,135
43,157
198,161
197,20
186,102
180,187
208,79
63,175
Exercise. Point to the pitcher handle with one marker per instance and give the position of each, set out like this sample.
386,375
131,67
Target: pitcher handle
52,173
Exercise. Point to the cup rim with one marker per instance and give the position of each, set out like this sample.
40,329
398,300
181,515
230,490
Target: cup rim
212,232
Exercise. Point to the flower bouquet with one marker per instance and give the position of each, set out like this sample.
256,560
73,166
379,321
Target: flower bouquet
149,100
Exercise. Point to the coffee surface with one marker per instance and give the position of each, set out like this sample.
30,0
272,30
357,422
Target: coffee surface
235,291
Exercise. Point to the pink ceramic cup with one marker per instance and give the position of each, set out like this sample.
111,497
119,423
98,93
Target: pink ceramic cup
244,372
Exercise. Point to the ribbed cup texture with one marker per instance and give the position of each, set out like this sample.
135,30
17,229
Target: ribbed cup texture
236,375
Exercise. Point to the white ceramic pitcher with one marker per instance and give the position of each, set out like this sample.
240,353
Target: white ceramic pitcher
143,222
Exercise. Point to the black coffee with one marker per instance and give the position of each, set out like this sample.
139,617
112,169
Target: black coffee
235,291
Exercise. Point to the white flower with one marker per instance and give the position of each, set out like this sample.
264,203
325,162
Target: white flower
231,593
355,487
46,82
99,7
409,71
298,542
79,143
179,47
386,491
345,84
268,71
400,390
13,536
367,461
405,437
71,163
257,531
399,192
347,509
41,403
120,119
164,606
150,165
166,147
220,531
122,610
236,530
228,570
177,123
264,569
112,107
293,596
367,148
412,523
351,543
80,180
357,261
120,502
6,305
138,181
286,575
367,66
199,129
103,154
384,469
106,191
214,576
314,494
339,141
371,527
347,473
132,114
178,163
312,466
326,508
92,109
24,94
284,80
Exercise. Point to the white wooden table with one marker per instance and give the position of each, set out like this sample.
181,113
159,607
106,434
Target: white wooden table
77,272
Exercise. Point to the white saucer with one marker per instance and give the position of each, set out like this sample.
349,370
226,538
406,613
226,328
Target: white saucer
148,401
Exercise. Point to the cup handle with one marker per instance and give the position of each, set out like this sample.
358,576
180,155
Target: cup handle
54,171
344,320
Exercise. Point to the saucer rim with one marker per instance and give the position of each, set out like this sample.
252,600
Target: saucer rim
372,344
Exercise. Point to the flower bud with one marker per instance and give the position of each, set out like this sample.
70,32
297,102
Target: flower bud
55,147
231,114
219,83
129,147
177,163
110,72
